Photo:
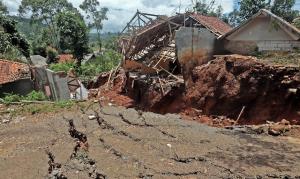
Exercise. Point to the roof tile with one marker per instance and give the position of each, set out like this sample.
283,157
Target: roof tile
11,71
214,24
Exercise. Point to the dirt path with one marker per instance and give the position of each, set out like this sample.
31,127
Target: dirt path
123,143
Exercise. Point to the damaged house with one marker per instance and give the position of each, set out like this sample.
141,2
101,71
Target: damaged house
262,32
152,43
15,78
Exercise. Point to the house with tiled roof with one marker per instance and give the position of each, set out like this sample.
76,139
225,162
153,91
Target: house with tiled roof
264,31
15,77
213,24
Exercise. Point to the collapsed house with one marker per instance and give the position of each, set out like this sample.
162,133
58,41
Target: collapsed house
15,78
58,85
180,64
264,31
175,45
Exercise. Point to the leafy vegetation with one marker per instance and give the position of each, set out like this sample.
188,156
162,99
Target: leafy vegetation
3,8
109,60
11,39
33,96
73,34
95,16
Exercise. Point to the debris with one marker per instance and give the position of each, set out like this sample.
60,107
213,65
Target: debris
92,117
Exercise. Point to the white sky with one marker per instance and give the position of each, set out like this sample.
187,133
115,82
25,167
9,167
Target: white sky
121,11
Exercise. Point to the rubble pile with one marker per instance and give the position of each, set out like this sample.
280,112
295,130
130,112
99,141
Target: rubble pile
154,93
240,88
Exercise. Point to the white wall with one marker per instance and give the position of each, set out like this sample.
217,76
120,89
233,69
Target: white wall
260,29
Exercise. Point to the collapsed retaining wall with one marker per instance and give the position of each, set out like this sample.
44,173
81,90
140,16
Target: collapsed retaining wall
228,83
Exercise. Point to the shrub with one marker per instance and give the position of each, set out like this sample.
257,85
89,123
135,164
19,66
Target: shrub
52,54
9,98
65,67
33,96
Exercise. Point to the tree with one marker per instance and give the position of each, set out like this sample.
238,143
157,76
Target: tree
10,37
95,16
233,18
73,33
3,8
204,8
284,9
250,7
45,12
296,23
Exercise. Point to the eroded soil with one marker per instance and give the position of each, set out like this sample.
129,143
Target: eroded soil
114,142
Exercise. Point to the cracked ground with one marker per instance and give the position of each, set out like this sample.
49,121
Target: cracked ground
125,143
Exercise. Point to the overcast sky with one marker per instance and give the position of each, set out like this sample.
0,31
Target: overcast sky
121,11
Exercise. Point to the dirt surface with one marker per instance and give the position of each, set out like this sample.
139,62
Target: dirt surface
115,142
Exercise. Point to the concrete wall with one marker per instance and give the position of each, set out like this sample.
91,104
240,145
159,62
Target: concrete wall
261,34
194,47
58,83
260,29
241,47
21,87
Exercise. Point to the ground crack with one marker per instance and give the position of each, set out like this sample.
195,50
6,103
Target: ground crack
105,125
145,125
79,159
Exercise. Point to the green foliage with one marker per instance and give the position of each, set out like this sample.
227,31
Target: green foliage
64,104
33,96
95,16
9,98
233,18
3,8
109,60
282,8
296,23
73,33
250,7
10,37
39,50
42,11
52,54
59,67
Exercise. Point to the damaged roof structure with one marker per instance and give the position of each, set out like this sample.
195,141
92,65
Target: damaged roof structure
148,41
15,77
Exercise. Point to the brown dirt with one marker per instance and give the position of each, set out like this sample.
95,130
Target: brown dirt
230,82
220,88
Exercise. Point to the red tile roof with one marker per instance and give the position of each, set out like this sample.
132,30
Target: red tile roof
65,58
11,71
214,24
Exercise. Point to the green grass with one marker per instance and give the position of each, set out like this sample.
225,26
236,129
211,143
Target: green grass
281,58
33,96
33,109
